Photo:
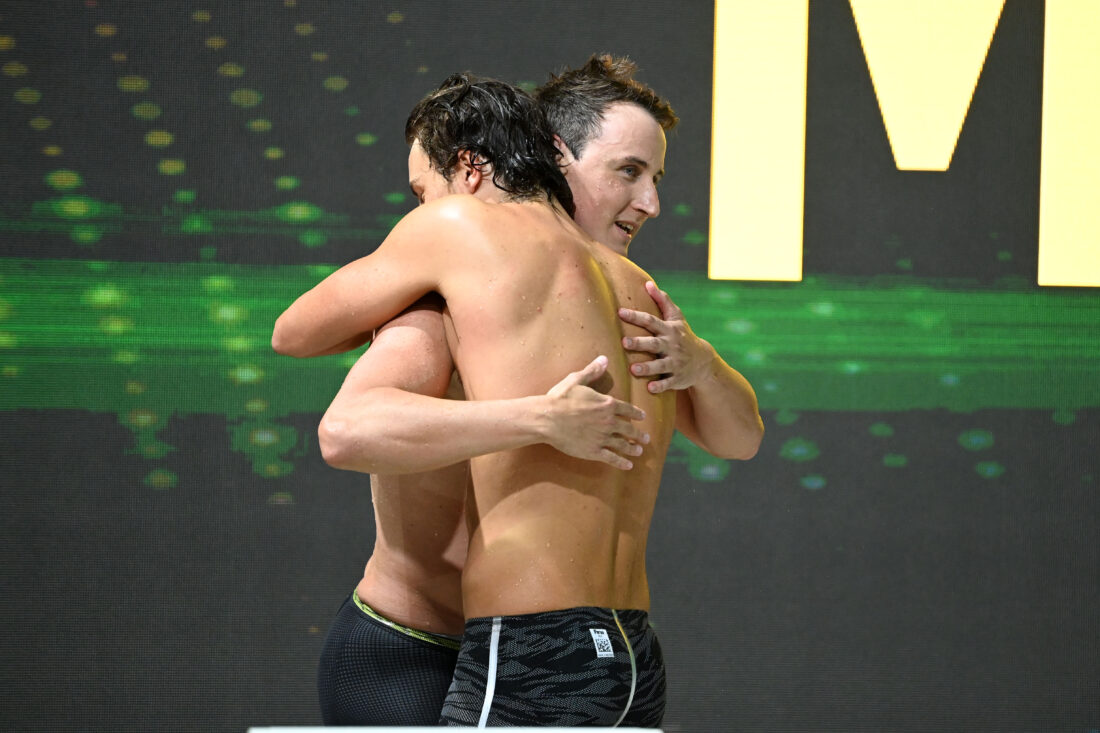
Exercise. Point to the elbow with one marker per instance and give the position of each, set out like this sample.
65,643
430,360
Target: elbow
331,438
339,446
749,448
739,452
745,446
750,445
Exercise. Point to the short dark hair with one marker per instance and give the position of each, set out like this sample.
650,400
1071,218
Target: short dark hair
574,101
501,126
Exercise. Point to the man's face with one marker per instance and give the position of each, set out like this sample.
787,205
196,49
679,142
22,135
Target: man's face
426,182
614,182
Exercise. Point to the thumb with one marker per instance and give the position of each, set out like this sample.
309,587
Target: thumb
593,371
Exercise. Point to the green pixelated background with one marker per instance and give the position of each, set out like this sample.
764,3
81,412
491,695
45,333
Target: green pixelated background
914,549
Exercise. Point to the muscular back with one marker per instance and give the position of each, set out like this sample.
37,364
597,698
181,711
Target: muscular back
537,300
530,299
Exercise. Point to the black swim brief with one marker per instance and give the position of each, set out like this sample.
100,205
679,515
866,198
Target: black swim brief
376,672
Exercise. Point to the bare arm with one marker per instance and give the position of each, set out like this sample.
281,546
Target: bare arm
716,407
373,426
381,429
388,416
409,353
342,311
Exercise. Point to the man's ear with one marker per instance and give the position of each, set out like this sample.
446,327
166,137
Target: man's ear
566,153
468,177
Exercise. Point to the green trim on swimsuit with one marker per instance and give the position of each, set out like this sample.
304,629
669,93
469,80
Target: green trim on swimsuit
444,640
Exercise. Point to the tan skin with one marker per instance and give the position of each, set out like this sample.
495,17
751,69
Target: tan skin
622,169
614,184
510,295
413,576
414,573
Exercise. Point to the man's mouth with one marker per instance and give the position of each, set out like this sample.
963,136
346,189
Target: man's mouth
626,227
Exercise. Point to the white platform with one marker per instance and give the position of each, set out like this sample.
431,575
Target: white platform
423,729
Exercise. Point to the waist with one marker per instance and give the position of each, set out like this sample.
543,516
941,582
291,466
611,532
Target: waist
632,620
450,641
509,581
417,598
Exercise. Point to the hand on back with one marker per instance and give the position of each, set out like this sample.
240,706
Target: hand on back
681,359
587,424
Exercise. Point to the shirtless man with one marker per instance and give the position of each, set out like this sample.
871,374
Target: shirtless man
686,361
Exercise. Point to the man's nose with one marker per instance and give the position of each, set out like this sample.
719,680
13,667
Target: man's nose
649,203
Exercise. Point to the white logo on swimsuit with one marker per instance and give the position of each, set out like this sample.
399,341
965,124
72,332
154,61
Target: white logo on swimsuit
602,642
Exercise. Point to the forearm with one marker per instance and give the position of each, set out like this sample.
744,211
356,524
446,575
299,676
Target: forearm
387,430
720,414
343,310
312,326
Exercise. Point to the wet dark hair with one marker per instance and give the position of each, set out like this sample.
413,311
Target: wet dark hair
501,126
574,100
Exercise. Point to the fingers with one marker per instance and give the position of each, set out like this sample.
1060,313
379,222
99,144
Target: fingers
660,365
616,453
664,368
651,344
627,432
629,411
657,386
615,460
623,447
648,321
627,441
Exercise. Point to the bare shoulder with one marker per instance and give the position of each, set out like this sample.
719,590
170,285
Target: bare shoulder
443,218
638,274
458,214
629,281
457,207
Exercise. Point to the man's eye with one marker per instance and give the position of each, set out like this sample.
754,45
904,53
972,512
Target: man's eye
630,171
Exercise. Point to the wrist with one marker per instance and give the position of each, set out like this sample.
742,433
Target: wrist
536,415
708,369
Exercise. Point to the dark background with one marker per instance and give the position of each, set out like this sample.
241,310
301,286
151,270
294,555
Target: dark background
920,595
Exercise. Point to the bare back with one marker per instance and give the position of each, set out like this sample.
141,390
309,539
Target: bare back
549,531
